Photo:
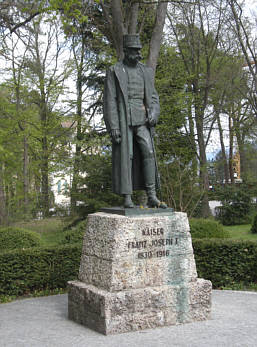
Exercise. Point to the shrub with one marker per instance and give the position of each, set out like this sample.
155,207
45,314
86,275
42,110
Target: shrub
24,271
12,238
236,205
226,262
207,228
254,225
75,234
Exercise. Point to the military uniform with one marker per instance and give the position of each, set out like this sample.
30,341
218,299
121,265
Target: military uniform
129,99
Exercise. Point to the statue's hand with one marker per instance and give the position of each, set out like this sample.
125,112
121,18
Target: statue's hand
116,136
151,121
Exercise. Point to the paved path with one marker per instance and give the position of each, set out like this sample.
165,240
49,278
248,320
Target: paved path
43,322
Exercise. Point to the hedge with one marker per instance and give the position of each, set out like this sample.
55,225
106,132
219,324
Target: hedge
206,229
75,234
226,262
13,238
23,271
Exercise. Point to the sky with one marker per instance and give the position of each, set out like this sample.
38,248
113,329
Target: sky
251,6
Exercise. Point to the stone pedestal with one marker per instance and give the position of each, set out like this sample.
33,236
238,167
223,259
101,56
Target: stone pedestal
137,272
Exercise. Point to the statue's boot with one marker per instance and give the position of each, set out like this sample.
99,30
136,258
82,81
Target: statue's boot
149,175
128,203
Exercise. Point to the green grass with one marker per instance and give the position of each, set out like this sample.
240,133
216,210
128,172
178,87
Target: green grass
49,229
241,232
43,225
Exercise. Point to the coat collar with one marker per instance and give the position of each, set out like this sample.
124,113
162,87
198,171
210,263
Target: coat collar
122,77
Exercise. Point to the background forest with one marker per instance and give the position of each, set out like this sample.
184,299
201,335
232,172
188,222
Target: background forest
53,58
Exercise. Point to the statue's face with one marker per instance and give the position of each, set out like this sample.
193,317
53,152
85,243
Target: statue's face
132,55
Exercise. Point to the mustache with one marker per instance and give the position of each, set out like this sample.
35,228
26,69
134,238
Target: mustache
138,56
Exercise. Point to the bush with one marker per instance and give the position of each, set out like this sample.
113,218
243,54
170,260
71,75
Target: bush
226,262
13,238
254,225
24,271
207,229
75,234
236,205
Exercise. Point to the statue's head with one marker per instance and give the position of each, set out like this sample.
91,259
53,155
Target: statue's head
132,47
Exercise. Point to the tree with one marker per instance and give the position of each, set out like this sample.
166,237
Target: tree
247,44
226,99
176,151
89,57
46,75
123,17
10,155
197,30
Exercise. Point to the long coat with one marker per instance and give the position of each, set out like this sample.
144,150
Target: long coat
115,117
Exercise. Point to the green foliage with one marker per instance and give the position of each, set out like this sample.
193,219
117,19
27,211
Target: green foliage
13,238
24,271
240,232
236,205
254,225
250,157
50,230
42,225
170,81
97,191
175,151
226,262
75,234
207,229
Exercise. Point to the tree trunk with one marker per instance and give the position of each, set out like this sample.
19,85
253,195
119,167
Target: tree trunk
204,177
231,149
25,173
223,151
133,18
79,136
2,198
192,133
242,155
156,38
118,26
44,178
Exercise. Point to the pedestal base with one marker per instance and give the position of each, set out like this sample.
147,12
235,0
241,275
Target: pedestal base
136,309
137,272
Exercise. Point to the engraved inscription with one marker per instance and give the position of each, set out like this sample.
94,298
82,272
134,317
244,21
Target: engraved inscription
137,244
164,242
152,231
156,254
149,248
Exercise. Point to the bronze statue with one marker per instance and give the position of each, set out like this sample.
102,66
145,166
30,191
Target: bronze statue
131,109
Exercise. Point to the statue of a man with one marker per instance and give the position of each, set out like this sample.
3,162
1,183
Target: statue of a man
131,107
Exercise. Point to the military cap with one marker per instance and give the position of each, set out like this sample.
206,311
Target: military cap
131,41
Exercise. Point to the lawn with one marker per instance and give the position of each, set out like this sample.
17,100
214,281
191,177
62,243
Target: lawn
241,232
49,229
